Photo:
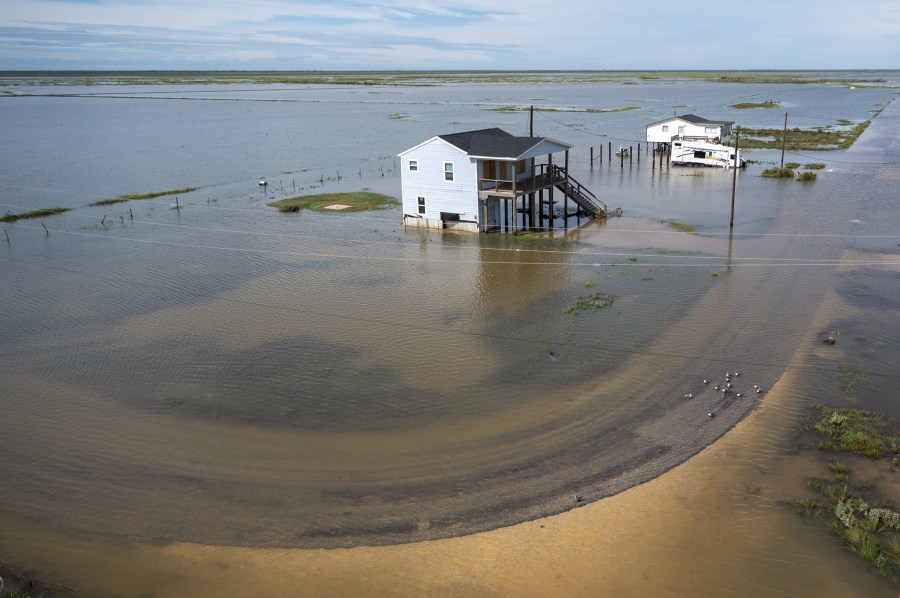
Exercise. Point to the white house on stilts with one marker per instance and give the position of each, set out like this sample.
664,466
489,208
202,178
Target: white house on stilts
468,181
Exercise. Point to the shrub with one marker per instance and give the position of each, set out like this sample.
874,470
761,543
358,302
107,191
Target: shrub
806,176
778,173
815,166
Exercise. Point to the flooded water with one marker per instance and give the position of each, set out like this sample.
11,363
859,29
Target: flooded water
197,397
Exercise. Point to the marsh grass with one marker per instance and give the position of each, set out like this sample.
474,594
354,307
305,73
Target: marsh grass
778,173
11,217
855,431
851,376
515,108
806,176
867,524
792,165
746,105
357,201
821,138
681,226
595,301
815,166
137,196
807,507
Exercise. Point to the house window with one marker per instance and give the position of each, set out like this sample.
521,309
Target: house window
665,128
448,171
681,131
413,165
421,204
520,166
710,130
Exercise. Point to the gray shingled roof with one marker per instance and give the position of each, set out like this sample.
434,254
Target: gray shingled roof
699,120
495,143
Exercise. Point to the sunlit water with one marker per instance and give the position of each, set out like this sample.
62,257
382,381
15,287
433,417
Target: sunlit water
225,374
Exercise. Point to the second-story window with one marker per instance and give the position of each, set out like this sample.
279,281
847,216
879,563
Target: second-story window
448,171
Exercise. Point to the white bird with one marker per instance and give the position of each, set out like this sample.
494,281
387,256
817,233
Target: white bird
705,381
689,395
739,395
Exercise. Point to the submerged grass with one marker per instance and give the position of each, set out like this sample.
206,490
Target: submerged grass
746,105
358,201
681,226
855,431
136,196
806,176
594,301
867,524
514,108
820,138
426,78
11,217
778,173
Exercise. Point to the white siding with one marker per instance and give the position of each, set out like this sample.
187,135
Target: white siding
459,196
655,131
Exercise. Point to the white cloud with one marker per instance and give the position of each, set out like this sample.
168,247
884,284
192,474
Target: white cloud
453,34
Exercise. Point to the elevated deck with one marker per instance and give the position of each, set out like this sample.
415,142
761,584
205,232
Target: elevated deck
546,176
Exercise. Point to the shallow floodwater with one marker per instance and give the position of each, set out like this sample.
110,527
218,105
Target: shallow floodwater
224,374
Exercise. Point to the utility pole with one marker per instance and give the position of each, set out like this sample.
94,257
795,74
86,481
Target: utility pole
737,137
531,123
783,139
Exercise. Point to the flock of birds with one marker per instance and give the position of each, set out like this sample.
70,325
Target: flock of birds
726,388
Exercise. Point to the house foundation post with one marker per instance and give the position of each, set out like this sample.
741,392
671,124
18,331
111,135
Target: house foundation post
566,195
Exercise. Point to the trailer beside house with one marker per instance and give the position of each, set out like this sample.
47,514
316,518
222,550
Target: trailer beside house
700,153
468,181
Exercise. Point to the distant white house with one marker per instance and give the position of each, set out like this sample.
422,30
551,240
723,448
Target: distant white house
467,180
689,127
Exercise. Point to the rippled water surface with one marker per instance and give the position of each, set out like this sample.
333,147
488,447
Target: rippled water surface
218,373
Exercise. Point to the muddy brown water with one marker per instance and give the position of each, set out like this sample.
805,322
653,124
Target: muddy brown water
209,426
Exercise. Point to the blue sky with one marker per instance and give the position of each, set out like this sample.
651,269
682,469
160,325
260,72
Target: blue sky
450,34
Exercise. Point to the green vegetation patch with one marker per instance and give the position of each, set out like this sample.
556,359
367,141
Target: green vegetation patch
851,376
792,165
514,108
681,226
815,166
594,301
819,138
10,217
357,201
806,176
766,104
134,196
866,522
855,431
778,173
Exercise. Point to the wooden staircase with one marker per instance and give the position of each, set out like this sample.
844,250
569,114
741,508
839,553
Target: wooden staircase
578,193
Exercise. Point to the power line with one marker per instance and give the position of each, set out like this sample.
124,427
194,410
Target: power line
723,260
